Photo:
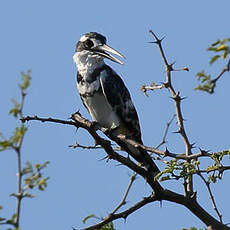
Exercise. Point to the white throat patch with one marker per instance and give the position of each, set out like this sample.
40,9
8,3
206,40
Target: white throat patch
87,62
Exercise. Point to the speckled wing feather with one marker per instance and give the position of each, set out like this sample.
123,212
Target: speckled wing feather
119,98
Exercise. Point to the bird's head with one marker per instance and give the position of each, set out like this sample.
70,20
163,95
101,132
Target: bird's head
92,45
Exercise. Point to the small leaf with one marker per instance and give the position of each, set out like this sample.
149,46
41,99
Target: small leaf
12,219
221,47
215,43
224,55
16,109
5,144
25,80
18,133
88,217
213,59
108,226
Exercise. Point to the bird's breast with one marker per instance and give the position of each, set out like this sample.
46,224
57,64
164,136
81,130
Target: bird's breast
101,111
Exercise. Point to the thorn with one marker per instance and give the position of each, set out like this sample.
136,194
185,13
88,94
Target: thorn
183,98
192,146
203,152
176,132
177,97
193,196
171,66
158,41
166,152
166,84
105,158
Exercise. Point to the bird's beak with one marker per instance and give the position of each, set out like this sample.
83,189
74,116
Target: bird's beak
102,49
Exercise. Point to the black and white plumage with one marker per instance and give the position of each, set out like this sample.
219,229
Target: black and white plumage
105,95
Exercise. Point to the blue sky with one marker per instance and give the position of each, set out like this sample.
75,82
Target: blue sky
41,36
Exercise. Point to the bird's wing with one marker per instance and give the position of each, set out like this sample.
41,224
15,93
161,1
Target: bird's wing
119,99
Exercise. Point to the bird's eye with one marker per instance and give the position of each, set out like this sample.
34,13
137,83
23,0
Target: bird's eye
89,43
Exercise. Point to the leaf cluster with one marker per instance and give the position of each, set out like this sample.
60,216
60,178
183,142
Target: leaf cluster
182,169
34,176
221,49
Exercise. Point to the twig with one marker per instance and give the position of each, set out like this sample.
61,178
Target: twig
213,81
124,214
211,196
123,200
165,132
17,149
152,87
77,145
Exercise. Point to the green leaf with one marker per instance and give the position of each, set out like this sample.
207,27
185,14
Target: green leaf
221,48
12,219
108,226
213,59
41,166
16,109
18,133
5,144
88,217
215,43
42,183
25,80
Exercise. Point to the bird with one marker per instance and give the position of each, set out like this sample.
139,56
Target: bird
105,95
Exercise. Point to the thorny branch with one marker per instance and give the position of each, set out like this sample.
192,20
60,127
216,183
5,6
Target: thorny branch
189,202
177,102
123,200
163,141
165,153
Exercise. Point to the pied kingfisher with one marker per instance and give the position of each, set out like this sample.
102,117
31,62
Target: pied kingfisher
105,95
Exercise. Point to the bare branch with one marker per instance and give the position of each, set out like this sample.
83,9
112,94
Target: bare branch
213,81
152,87
124,214
77,145
211,196
165,132
123,200
17,149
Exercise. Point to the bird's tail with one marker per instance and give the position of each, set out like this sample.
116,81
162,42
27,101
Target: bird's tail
144,158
